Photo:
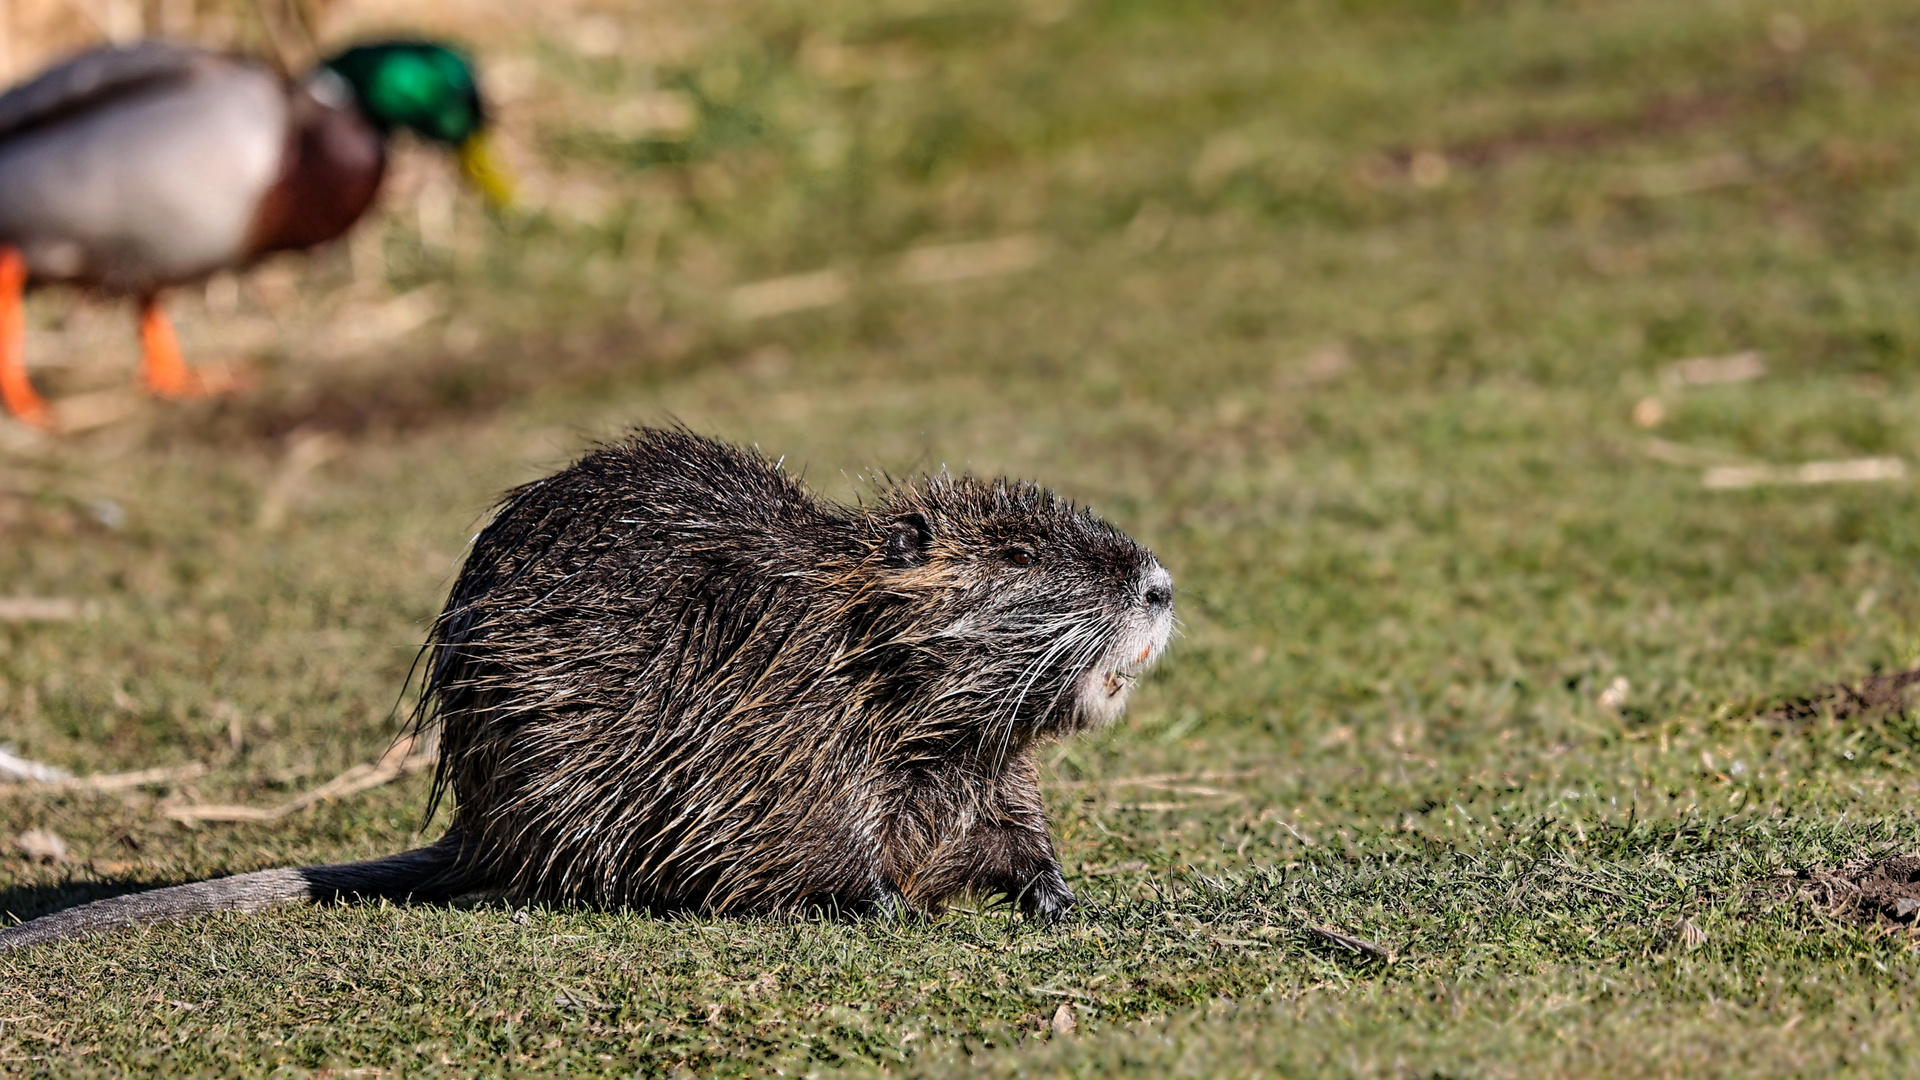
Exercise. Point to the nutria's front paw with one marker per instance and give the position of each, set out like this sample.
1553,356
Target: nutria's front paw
888,907
1047,899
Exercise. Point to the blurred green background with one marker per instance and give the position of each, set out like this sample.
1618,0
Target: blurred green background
1376,320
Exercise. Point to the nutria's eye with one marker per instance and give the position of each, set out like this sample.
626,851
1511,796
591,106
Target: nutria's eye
1020,556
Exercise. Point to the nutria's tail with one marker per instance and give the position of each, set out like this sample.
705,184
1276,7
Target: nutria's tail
427,873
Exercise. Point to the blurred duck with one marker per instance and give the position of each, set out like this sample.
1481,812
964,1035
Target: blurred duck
130,169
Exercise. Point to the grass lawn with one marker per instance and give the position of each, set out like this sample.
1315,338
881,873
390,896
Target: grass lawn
1363,314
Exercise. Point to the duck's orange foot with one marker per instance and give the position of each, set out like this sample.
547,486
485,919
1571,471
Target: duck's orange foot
165,373
28,408
16,390
22,401
162,370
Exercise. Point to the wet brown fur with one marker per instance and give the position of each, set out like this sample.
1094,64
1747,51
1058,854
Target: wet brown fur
669,677
672,678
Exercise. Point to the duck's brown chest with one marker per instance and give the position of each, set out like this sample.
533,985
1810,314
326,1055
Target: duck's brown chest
331,172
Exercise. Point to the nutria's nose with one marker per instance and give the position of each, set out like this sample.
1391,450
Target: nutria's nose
1156,588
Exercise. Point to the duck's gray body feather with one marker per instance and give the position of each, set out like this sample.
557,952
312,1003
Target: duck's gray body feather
131,168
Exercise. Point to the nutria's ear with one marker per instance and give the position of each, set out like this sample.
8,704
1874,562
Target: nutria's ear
908,540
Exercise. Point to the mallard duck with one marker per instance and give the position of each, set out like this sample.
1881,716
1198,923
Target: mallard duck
127,170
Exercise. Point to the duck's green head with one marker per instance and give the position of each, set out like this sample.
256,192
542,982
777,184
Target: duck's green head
429,89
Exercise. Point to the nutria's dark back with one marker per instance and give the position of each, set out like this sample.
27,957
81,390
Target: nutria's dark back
670,676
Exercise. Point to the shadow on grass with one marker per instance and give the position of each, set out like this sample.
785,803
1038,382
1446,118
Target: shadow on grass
415,393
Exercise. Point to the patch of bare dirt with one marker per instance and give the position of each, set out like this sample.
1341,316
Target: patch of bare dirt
1873,698
1884,891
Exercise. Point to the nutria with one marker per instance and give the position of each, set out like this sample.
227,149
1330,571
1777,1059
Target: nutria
672,678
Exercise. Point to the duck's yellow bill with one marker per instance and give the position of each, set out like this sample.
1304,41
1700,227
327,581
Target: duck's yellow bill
482,166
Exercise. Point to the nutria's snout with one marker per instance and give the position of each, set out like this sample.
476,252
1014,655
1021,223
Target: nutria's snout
1141,637
1156,588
